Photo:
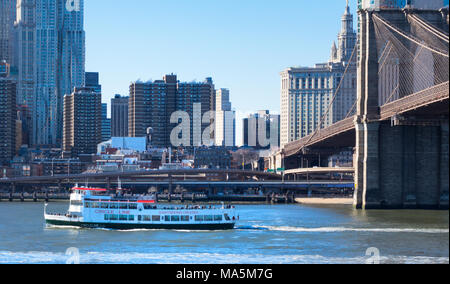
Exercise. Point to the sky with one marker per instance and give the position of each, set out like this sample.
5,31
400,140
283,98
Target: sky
242,44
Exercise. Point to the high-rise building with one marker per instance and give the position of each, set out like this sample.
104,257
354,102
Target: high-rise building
225,122
152,103
106,123
50,57
307,92
7,19
119,116
92,81
251,130
82,121
8,115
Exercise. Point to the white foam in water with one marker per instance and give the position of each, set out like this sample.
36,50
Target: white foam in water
344,229
205,258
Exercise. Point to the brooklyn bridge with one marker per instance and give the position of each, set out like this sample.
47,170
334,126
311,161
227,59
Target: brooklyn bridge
399,125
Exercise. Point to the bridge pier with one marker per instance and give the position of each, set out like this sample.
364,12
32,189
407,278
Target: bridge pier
405,167
396,165
444,167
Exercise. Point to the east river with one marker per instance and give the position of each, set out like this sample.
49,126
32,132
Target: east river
265,234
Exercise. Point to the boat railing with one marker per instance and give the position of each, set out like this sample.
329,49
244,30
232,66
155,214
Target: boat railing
71,217
196,207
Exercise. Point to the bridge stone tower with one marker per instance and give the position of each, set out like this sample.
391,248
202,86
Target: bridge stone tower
399,162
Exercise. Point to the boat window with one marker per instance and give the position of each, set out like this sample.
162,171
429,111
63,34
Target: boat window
95,205
113,205
167,218
175,218
149,206
199,218
227,217
123,217
139,217
146,218
130,217
185,218
218,218
156,218
106,217
87,204
132,206
104,205
113,217
208,217
123,206
76,202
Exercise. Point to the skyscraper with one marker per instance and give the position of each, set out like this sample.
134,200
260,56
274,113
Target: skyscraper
7,115
7,19
50,61
82,121
307,92
119,116
225,122
152,103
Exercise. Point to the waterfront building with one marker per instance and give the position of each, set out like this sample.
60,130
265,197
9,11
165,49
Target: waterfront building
307,92
8,115
212,158
225,122
152,103
53,167
119,116
82,121
50,45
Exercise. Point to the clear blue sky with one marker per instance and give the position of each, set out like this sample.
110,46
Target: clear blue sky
242,44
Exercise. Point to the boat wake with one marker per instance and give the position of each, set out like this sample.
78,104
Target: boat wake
344,229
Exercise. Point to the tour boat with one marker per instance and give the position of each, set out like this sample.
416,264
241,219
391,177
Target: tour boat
96,208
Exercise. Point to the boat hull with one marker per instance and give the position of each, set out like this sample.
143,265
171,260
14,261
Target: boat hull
128,226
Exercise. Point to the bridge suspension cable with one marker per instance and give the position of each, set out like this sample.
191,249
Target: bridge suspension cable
438,33
407,67
409,37
327,112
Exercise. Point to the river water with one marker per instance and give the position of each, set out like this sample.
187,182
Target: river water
266,234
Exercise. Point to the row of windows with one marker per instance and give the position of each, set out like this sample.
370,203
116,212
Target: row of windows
113,217
110,205
158,218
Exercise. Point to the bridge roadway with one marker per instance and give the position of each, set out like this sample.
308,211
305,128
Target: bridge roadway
320,171
342,133
238,184
135,174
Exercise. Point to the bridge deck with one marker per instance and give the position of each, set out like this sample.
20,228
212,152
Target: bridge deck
422,99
